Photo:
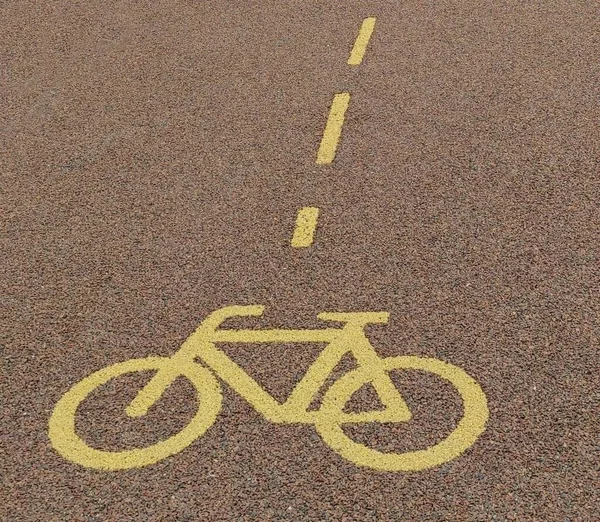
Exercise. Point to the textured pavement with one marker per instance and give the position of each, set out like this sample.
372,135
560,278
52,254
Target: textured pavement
153,158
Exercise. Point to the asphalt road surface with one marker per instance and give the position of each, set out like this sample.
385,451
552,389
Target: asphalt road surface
161,161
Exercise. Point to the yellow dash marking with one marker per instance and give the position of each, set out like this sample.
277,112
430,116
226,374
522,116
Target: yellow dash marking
306,223
362,40
333,129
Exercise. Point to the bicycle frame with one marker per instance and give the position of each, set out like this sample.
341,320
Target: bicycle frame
348,339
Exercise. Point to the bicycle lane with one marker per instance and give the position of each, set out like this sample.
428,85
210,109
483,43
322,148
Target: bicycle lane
389,238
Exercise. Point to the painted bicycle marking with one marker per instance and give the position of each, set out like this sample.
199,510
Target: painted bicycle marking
201,362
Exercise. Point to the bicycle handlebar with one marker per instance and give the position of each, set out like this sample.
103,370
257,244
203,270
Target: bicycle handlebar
214,319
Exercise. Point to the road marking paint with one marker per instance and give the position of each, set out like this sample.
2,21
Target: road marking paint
306,224
362,40
333,128
206,366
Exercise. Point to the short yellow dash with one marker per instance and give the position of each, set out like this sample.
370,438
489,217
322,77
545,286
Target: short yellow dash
333,129
306,223
362,40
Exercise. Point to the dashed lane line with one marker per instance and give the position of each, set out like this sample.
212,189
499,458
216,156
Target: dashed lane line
306,221
362,40
306,224
333,128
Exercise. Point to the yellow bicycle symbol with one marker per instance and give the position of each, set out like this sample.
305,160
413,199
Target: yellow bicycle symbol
328,419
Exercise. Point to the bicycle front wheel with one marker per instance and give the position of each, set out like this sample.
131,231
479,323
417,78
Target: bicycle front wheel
66,441
468,430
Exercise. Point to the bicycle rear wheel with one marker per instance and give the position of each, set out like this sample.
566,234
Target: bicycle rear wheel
66,441
470,427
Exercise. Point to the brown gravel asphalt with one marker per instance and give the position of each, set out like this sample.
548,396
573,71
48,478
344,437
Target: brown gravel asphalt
154,156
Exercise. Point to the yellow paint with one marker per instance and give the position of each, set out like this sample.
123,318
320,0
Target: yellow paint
200,347
362,40
333,128
306,224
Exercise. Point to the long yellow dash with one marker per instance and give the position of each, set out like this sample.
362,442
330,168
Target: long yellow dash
362,40
306,223
333,129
